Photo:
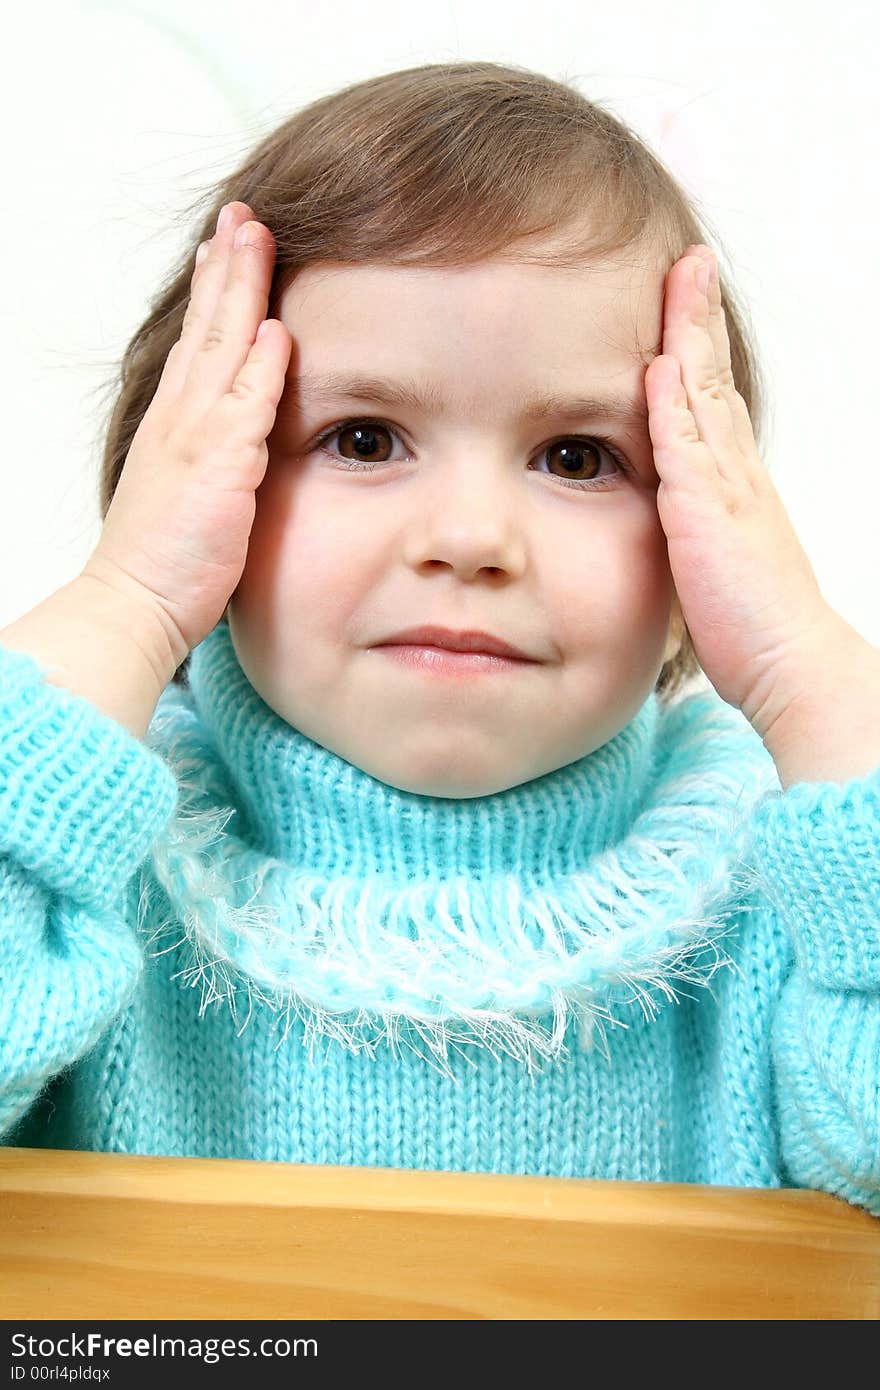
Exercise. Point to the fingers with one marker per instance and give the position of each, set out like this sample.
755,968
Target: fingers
206,287
221,384
212,329
238,313
686,337
237,429
683,461
717,330
707,403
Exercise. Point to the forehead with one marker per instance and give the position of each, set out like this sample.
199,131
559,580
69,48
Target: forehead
606,313
495,343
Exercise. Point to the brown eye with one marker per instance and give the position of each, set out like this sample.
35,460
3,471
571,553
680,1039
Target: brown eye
579,460
364,440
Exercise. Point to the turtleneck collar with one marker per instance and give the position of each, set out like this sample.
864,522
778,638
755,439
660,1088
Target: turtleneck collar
371,913
307,805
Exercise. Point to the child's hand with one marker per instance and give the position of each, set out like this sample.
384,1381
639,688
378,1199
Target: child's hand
176,533
748,593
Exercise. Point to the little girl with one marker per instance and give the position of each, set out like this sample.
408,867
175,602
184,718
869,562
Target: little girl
346,812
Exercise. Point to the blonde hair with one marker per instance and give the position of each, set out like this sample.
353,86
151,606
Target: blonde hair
440,165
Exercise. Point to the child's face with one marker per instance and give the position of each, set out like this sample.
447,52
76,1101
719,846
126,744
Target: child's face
465,522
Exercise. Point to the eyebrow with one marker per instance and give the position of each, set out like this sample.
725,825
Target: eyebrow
414,396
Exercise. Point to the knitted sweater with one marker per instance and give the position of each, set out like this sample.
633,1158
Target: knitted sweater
228,941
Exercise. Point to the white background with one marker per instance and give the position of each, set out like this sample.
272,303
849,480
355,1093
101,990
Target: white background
115,115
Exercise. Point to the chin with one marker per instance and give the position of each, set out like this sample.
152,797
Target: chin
434,758
445,784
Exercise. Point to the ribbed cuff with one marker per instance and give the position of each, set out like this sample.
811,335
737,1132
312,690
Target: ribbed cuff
817,849
81,799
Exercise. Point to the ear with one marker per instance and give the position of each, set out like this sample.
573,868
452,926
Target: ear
675,635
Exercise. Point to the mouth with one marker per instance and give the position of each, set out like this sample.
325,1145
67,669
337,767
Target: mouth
444,661
443,651
469,643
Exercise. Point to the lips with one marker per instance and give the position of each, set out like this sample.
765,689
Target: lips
450,640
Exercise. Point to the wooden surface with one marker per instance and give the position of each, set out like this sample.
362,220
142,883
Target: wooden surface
127,1236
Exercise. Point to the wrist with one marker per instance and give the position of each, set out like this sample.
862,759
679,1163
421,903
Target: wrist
118,602
829,729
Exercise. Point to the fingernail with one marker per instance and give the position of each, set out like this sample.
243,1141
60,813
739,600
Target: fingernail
710,261
244,235
202,252
701,275
226,218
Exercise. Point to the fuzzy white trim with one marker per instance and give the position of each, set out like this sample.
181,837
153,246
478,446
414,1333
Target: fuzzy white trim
500,962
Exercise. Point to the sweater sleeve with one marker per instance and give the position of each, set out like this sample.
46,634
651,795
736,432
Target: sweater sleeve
817,857
81,803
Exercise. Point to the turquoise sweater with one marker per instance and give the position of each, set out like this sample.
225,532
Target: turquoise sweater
228,941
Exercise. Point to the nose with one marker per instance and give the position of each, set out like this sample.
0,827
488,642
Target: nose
468,519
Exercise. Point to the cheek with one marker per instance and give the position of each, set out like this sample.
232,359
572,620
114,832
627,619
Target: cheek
609,582
303,553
